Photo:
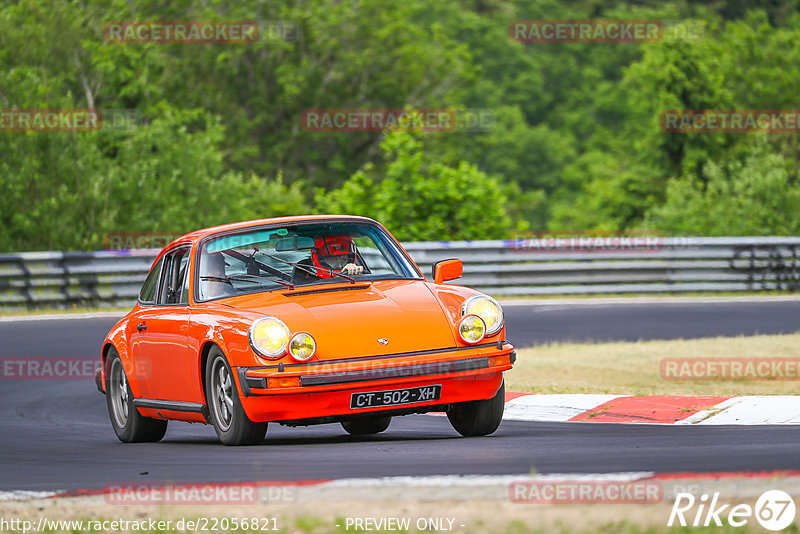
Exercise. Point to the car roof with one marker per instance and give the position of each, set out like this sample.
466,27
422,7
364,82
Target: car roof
197,235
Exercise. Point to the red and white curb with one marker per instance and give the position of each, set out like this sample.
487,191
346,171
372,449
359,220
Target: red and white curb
672,410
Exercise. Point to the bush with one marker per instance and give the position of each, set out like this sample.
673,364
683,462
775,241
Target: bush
750,195
422,200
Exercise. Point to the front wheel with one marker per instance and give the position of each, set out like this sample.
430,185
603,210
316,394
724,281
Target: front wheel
478,418
225,408
129,425
372,425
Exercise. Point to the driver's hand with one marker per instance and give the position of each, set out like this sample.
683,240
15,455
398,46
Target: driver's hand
352,268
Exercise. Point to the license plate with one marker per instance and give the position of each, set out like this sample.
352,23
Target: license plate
394,397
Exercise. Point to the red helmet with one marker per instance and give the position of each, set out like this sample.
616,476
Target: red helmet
332,252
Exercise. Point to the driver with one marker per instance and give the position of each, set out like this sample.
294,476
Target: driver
336,253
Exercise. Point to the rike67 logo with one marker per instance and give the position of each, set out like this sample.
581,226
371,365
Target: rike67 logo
774,510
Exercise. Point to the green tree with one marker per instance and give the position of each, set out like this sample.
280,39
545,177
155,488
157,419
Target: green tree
420,199
576,142
165,176
753,195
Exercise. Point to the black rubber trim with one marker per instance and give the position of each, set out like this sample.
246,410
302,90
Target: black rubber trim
513,356
382,357
259,383
404,371
243,381
326,290
173,406
98,381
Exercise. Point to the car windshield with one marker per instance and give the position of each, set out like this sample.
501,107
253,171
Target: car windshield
268,258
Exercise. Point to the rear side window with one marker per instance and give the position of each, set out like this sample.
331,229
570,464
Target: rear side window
148,293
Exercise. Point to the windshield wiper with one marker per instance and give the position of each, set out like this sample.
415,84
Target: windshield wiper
235,279
308,270
227,279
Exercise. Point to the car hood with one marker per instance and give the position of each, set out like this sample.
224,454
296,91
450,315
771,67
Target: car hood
354,320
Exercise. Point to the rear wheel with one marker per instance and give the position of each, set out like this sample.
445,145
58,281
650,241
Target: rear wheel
478,418
225,408
372,425
129,425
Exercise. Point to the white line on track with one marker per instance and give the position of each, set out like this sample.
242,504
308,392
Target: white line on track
603,301
24,495
62,316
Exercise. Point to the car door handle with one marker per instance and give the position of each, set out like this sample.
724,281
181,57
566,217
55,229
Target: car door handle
140,327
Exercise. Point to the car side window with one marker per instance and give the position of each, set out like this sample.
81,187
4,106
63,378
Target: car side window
171,289
147,295
371,257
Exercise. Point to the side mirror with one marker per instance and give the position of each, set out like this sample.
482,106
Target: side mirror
445,270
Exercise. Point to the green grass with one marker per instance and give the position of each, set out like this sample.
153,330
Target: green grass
625,368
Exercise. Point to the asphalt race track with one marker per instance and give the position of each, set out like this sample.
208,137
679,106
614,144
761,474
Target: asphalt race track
534,324
56,434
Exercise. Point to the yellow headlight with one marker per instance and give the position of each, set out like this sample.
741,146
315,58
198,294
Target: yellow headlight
487,309
302,346
471,329
268,337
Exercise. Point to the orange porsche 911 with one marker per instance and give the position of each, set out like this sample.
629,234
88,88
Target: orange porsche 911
301,321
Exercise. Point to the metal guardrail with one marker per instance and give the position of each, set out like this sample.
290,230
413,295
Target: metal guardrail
509,267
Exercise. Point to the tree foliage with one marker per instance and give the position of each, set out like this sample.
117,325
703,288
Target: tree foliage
576,142
417,198
737,196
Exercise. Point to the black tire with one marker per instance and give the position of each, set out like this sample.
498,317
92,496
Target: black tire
478,418
224,406
129,425
372,425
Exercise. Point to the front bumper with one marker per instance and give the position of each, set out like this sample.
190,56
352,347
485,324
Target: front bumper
323,389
